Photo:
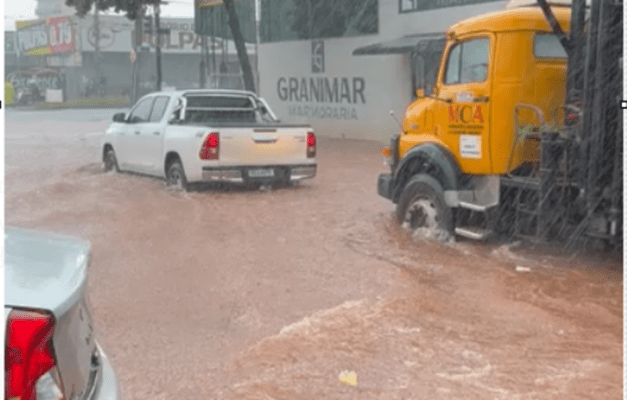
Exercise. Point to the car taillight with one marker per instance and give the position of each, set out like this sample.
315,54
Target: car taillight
311,145
29,362
211,148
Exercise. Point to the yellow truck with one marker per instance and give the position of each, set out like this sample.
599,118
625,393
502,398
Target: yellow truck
487,144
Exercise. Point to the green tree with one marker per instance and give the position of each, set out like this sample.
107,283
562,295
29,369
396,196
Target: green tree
130,7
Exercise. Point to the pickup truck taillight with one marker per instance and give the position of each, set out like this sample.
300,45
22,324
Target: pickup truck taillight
211,148
30,371
311,145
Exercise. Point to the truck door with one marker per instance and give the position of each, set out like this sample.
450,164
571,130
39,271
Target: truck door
130,142
464,84
152,136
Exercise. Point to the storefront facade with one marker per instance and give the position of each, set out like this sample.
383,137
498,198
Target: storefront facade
66,47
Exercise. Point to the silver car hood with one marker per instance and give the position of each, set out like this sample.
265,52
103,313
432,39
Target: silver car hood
44,271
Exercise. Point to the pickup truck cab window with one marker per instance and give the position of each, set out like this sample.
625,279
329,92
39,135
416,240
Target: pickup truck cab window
141,112
158,109
468,62
219,109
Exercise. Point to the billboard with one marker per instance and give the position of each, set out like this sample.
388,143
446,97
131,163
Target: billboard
46,36
116,35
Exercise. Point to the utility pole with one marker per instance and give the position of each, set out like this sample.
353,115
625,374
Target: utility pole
257,19
203,65
97,46
310,22
158,29
137,47
214,69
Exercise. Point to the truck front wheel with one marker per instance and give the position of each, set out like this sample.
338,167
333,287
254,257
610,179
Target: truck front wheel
422,209
110,161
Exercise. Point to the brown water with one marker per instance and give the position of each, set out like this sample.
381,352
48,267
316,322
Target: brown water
237,294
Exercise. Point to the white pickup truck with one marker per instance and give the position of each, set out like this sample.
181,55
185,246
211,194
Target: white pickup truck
198,136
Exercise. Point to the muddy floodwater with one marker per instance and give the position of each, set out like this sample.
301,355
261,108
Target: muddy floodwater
272,294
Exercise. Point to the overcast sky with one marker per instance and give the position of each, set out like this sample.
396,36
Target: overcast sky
25,9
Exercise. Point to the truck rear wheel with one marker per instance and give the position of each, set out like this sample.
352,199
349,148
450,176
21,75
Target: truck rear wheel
176,176
422,209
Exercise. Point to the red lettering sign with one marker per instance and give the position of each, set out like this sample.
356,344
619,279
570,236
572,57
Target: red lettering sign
477,116
464,114
453,112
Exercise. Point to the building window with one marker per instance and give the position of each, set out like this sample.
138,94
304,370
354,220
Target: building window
283,20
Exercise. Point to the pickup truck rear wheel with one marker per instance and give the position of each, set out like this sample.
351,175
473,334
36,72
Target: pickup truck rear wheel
422,209
110,161
176,176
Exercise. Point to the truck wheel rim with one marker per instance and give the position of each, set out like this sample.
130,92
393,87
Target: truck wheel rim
421,213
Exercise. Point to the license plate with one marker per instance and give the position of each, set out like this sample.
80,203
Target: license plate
261,173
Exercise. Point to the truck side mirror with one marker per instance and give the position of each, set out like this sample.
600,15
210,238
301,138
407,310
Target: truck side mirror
420,93
119,117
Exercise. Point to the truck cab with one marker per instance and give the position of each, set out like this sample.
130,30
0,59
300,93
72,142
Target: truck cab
499,73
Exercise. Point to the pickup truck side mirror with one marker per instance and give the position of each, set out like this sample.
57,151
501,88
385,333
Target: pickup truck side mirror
420,93
119,117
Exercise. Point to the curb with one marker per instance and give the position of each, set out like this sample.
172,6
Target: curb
93,102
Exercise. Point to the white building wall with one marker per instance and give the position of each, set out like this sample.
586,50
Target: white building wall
386,78
352,115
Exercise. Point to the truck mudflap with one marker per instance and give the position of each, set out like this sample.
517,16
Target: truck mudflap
385,185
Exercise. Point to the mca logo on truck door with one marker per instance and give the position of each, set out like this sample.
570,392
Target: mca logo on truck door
467,114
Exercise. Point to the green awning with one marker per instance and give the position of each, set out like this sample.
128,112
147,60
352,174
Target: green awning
422,43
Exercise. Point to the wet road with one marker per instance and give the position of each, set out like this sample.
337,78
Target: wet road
241,294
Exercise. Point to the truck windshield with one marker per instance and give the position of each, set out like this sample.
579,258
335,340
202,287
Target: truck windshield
468,62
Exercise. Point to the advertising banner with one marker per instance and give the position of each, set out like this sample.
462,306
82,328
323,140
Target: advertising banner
43,37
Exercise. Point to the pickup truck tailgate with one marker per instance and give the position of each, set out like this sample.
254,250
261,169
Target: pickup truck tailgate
259,146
